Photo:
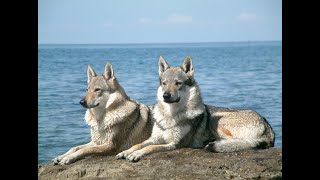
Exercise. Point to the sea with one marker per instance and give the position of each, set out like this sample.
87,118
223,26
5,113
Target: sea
230,74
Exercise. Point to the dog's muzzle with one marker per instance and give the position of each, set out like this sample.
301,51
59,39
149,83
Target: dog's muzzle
168,98
84,103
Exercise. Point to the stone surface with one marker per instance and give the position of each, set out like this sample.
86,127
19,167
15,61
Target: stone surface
178,164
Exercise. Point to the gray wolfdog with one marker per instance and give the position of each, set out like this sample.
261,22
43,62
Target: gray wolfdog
182,120
117,122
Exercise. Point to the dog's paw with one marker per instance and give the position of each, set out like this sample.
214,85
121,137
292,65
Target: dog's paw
123,155
210,147
67,160
135,156
120,156
57,160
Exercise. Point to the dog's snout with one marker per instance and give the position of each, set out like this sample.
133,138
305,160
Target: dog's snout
166,95
83,102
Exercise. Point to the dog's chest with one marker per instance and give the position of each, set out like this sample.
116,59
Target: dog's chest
169,130
167,123
101,134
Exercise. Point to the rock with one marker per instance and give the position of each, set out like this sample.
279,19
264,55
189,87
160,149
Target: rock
182,163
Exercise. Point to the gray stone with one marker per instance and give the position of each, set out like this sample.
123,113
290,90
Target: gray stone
182,163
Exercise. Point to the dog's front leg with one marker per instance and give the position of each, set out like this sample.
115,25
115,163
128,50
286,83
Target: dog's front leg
72,150
86,151
136,155
136,147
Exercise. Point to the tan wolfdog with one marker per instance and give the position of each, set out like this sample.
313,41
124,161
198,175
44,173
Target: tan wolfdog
182,120
117,122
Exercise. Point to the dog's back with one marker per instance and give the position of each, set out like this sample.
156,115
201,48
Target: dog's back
136,129
238,129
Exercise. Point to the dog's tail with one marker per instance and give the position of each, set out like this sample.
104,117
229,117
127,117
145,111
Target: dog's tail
233,145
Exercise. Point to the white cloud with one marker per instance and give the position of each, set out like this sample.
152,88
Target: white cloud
245,16
175,19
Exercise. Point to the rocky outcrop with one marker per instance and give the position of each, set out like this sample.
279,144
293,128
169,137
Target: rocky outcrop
178,164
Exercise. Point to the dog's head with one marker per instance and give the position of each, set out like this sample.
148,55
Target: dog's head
174,81
100,87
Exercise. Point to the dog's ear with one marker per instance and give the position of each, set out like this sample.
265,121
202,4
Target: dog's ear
187,66
90,73
108,71
163,65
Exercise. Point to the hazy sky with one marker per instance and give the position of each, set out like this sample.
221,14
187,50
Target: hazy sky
158,21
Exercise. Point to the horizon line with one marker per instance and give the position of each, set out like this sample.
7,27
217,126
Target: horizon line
249,41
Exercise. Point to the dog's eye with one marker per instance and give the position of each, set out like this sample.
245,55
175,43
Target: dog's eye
164,83
97,89
178,83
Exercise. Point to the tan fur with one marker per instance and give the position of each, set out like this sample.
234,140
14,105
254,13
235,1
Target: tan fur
225,131
117,122
89,96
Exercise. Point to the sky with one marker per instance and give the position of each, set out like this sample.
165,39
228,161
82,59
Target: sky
158,21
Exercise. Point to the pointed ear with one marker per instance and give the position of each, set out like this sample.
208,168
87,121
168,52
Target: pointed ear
90,73
108,71
187,66
163,65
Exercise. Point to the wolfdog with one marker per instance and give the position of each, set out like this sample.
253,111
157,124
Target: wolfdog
117,122
183,120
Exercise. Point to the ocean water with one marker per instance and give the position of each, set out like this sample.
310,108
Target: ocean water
235,75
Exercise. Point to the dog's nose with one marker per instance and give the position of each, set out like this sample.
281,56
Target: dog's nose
82,102
166,96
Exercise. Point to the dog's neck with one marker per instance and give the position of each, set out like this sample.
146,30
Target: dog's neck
98,113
